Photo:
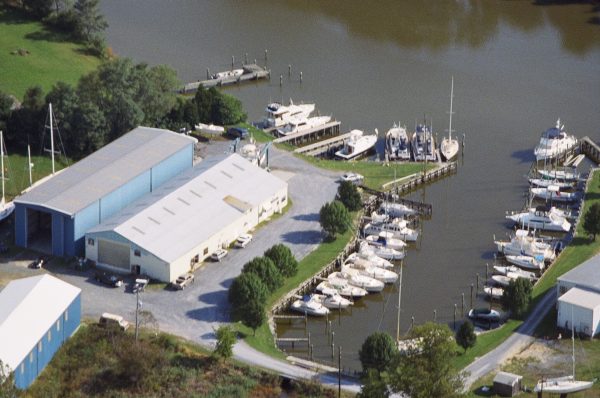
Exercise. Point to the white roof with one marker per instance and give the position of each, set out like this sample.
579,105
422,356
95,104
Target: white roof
581,298
28,307
193,206
586,275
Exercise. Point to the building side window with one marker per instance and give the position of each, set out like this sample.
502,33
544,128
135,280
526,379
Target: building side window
40,346
58,325
66,316
137,253
563,290
91,242
50,335
31,357
22,367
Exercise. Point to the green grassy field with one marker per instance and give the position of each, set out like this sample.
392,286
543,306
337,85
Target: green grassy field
50,57
17,172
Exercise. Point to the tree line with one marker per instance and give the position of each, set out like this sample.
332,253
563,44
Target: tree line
108,102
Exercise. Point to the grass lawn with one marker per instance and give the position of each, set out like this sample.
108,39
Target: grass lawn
375,173
51,58
17,172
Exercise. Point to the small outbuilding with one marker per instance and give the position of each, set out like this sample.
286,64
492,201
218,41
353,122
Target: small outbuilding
579,308
37,315
507,384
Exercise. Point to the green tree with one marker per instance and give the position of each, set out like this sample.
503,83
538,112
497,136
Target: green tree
227,110
284,260
465,336
88,130
253,314
225,341
377,351
34,98
517,296
266,270
247,287
348,194
374,385
6,103
90,22
334,218
426,370
204,99
591,220
38,8
157,96
7,382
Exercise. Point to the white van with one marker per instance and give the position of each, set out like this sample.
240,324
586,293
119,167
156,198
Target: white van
112,320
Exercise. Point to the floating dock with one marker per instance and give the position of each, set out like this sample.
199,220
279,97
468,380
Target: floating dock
251,72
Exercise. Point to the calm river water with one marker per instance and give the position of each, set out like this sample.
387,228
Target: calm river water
517,67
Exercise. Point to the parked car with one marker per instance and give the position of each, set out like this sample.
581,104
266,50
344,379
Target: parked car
218,254
238,132
109,279
182,281
243,240
38,262
354,178
113,321
140,285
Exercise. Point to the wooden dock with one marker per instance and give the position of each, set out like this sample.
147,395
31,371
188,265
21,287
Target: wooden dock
331,128
590,149
325,146
404,185
251,72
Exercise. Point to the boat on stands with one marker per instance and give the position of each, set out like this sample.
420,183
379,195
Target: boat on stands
494,292
332,300
554,142
371,257
524,244
310,306
553,193
398,229
278,114
386,253
397,144
357,144
354,278
341,287
381,274
423,144
504,270
300,124
386,239
394,210
542,217
527,262
561,175
449,145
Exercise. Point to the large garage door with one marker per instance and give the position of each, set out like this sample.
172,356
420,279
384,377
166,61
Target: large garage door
114,254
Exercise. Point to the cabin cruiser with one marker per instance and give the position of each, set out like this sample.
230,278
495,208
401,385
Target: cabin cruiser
341,287
527,262
357,144
309,306
504,280
396,209
354,278
278,114
397,145
381,251
371,257
561,175
300,123
386,239
396,227
542,217
554,142
383,275
553,193
504,270
494,292
524,244
332,300
484,314
423,145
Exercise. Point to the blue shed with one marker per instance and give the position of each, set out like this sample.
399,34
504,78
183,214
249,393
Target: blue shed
54,215
37,315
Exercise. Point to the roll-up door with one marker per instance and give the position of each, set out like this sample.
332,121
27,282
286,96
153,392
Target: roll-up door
114,254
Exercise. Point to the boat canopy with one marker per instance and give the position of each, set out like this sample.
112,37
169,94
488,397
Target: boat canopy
552,133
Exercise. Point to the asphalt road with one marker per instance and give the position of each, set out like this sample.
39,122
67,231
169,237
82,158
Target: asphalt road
512,345
197,311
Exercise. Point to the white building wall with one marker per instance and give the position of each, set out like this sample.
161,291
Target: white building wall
584,319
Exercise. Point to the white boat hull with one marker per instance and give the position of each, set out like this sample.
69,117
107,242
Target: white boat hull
357,145
342,288
526,262
449,148
562,385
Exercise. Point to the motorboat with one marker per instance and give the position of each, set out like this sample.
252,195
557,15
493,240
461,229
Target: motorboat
546,182
379,217
6,208
553,193
449,145
561,175
501,280
386,239
554,142
398,229
309,306
504,270
524,244
371,258
209,128
354,278
332,300
341,287
354,178
397,145
278,114
542,217
484,314
393,209
527,262
300,123
357,144
381,274
494,292
423,144
382,251
228,74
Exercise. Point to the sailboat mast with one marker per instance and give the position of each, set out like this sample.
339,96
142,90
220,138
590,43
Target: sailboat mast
51,136
451,97
573,342
29,162
2,161
399,298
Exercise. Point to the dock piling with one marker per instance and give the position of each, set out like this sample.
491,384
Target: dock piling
232,61
300,77
454,321
462,308
207,73
266,57
280,80
246,58
289,70
434,315
471,302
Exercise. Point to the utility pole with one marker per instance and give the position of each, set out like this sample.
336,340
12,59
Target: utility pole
339,371
138,304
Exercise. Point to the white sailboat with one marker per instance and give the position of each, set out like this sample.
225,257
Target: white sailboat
6,208
449,146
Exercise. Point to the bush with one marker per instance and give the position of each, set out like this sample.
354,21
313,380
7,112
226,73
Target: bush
245,288
266,270
252,314
517,296
334,218
377,351
225,341
348,194
284,260
465,336
591,221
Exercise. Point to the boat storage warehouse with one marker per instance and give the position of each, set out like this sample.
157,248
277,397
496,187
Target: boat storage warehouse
166,233
54,215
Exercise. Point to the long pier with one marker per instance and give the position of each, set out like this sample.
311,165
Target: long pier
251,72
331,128
411,183
325,146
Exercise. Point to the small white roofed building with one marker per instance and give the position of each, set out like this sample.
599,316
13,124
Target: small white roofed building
165,233
37,315
579,308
